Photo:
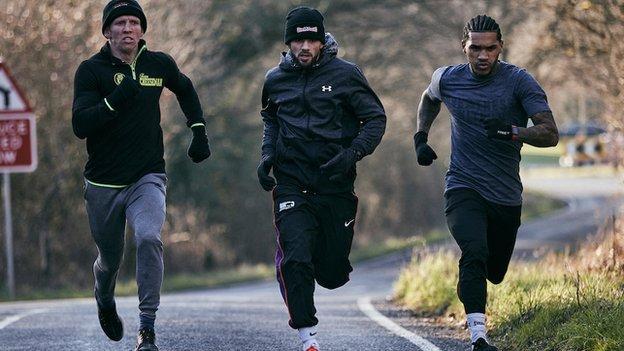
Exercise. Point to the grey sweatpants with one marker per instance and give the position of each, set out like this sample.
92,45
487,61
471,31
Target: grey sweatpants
142,204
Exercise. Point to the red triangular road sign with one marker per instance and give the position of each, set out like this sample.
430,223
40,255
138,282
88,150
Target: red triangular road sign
12,99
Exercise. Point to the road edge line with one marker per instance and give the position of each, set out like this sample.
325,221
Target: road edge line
365,305
12,319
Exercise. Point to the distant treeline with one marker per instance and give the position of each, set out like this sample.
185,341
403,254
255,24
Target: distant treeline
217,213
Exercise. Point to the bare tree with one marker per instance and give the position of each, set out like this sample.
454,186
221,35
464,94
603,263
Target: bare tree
583,39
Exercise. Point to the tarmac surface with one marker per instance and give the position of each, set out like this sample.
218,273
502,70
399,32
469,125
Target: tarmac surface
252,316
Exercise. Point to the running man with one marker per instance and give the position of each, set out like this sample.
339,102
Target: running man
320,118
116,96
490,102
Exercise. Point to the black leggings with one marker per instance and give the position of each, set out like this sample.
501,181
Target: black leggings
486,234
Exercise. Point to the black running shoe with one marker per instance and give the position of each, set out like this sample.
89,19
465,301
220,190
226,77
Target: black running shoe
111,323
482,345
146,341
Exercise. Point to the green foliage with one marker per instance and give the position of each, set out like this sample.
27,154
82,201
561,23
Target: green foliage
392,244
216,277
173,282
535,205
427,284
566,313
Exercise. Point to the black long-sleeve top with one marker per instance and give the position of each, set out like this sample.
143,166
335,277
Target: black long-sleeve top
127,143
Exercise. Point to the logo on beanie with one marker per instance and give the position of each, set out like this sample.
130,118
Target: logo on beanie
118,78
120,4
307,29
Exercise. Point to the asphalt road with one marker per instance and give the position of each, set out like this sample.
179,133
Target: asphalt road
591,202
243,317
253,317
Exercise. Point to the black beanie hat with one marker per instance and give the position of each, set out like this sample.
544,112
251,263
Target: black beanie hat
116,8
304,23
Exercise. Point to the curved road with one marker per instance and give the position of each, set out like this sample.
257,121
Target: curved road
253,317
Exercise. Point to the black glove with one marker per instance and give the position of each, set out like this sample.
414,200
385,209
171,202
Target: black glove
341,164
266,181
498,129
123,94
424,152
199,149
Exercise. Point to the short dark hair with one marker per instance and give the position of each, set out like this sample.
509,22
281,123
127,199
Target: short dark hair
481,23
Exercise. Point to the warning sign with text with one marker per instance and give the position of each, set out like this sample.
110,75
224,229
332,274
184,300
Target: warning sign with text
18,138
17,143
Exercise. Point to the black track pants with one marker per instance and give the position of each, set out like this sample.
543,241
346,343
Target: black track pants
486,234
314,235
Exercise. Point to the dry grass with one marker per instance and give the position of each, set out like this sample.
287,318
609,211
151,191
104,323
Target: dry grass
563,302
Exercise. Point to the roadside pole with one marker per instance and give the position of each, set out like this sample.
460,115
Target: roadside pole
8,225
18,154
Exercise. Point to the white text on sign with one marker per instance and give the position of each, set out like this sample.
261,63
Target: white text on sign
15,142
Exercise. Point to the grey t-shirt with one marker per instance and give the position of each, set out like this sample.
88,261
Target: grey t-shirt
488,166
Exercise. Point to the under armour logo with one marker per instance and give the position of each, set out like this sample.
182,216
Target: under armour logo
326,87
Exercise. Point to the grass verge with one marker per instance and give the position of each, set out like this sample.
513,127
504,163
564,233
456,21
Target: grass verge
171,283
222,277
597,171
394,244
562,303
535,205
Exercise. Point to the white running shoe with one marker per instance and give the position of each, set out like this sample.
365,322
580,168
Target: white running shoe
311,345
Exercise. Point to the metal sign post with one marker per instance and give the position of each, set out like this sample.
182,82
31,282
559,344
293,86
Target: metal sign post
8,225
18,153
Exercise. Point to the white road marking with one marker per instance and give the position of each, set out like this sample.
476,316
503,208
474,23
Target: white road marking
12,319
365,306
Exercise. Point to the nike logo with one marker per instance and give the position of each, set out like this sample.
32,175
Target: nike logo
347,223
312,334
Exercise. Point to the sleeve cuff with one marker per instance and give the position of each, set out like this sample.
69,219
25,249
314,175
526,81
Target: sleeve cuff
197,124
109,105
359,151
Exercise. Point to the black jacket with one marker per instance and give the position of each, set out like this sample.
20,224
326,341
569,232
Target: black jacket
305,109
125,145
